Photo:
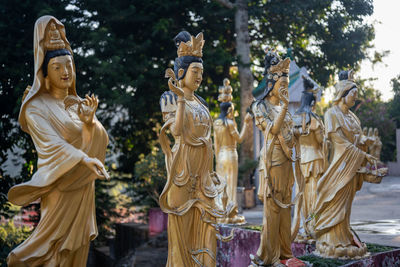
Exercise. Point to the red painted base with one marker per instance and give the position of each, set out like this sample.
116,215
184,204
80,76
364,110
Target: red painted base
293,262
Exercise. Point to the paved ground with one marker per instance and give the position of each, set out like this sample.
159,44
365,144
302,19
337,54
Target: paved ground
375,212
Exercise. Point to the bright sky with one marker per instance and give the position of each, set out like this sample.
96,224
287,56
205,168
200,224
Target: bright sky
387,37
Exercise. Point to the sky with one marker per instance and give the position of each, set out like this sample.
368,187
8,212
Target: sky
387,37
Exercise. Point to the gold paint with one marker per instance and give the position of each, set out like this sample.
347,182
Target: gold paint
343,178
276,172
71,145
226,138
189,196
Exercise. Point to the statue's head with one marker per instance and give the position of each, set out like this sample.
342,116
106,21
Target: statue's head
365,131
376,132
188,66
58,69
277,72
346,89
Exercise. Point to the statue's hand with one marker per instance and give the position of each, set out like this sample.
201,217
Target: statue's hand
248,118
284,95
86,113
173,86
371,159
97,167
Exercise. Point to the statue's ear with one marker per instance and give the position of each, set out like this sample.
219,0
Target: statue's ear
180,72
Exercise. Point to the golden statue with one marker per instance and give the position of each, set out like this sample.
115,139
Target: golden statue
226,138
189,196
313,156
71,145
344,176
276,159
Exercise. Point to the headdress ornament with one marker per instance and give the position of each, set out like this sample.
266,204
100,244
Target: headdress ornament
193,47
53,39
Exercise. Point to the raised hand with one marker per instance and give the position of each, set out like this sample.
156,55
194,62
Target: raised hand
284,95
86,113
173,82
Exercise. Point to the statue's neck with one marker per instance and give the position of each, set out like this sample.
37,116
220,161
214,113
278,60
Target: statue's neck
343,107
188,94
58,93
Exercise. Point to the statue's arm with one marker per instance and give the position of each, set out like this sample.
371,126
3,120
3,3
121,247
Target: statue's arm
176,128
277,124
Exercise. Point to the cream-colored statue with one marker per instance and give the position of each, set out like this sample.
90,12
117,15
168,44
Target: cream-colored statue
344,176
226,138
189,196
377,147
71,145
313,156
276,163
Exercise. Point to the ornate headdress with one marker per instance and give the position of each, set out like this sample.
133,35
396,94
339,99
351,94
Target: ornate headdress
193,47
225,92
275,68
53,39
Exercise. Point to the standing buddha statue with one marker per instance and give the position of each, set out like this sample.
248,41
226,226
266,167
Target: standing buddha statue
276,173
313,156
344,176
189,196
71,146
226,138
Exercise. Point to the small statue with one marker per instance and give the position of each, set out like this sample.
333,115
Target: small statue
71,145
313,148
344,176
276,159
226,138
377,148
189,196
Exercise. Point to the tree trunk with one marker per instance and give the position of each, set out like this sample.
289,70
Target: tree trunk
245,76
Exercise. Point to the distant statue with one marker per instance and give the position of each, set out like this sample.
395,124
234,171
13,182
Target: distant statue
377,145
313,152
189,196
226,138
71,146
276,172
344,176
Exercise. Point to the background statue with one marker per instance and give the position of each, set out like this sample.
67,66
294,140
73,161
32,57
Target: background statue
276,172
343,178
313,152
377,147
71,145
189,196
226,138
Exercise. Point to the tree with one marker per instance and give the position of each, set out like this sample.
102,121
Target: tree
325,35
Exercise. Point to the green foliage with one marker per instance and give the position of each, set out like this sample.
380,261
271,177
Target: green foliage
150,178
322,262
394,104
374,113
10,237
376,248
245,172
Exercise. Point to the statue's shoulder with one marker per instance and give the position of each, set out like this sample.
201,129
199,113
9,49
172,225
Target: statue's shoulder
168,102
218,122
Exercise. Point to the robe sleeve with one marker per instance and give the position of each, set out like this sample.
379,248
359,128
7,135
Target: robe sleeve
55,158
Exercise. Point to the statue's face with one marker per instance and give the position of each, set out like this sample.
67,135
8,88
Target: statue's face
60,72
194,76
376,132
351,97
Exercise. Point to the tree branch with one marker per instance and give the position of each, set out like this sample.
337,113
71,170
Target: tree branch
226,3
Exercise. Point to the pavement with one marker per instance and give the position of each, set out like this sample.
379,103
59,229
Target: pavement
375,212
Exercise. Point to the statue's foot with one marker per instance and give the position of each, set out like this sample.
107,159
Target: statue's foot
257,262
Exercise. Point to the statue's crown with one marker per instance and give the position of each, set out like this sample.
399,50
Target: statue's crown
225,92
193,47
274,63
53,39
